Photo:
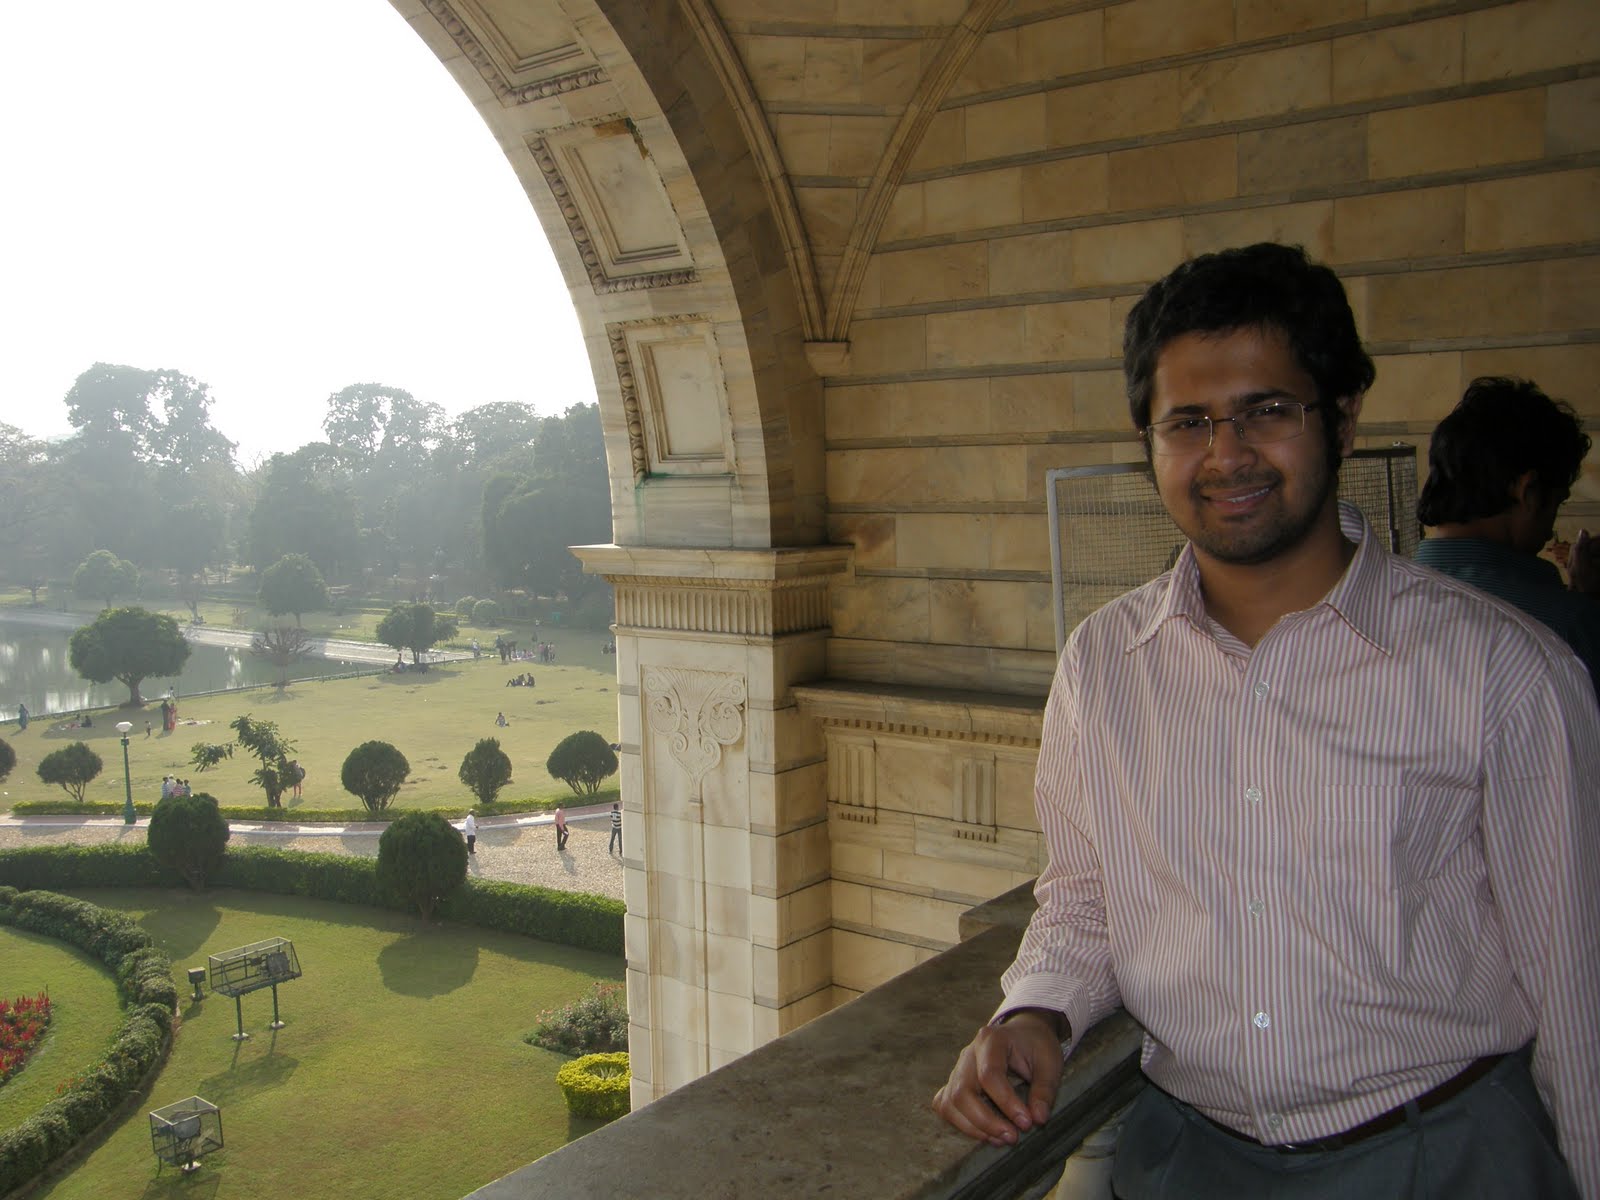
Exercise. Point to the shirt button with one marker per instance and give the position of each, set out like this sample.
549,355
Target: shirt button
1253,794
1274,1120
1261,690
1261,1020
1257,908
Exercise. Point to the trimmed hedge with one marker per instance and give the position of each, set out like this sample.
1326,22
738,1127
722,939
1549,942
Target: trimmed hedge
596,1085
140,1045
335,816
567,918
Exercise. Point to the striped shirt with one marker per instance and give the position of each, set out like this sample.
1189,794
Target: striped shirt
1326,872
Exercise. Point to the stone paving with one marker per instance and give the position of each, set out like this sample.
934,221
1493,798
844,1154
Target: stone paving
519,849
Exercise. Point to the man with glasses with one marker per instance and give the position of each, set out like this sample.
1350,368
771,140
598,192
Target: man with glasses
1323,821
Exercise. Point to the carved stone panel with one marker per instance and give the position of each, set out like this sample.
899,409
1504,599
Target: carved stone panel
698,712
615,206
853,779
524,52
672,396
974,806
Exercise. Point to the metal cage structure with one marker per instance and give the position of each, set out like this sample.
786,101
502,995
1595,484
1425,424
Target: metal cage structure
1109,532
246,969
182,1134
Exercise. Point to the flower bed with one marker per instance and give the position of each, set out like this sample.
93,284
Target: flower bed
22,1025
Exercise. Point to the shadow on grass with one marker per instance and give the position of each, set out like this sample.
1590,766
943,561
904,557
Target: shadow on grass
181,925
429,963
173,1184
269,1071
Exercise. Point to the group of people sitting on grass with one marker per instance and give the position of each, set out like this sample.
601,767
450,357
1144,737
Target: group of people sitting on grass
523,680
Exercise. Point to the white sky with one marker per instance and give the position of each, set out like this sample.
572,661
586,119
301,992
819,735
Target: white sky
279,200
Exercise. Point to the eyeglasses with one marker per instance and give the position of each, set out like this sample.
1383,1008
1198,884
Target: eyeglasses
1275,422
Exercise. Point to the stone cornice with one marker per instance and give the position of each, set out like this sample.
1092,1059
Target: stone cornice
712,567
925,713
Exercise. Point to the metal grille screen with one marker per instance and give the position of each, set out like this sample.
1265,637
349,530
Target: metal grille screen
1109,533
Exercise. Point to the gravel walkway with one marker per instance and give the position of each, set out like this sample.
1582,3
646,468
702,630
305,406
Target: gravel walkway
519,849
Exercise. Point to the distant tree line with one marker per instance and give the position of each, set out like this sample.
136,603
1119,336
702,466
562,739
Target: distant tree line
490,498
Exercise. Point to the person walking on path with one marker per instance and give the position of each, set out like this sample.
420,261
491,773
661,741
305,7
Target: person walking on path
616,830
22,717
561,828
470,828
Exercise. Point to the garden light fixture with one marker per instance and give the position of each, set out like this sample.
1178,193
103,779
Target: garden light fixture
128,815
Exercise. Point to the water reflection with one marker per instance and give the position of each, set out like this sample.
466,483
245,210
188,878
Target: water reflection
34,670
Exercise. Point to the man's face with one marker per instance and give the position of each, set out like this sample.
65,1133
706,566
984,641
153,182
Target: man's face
1241,503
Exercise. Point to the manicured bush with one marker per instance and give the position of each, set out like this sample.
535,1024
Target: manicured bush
373,773
566,918
421,859
486,614
8,759
595,1085
464,607
486,769
190,835
596,1024
144,981
73,767
582,761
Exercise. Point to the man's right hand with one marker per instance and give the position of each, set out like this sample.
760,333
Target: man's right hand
979,1099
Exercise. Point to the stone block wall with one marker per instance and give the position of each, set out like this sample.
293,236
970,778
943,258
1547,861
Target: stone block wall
1444,158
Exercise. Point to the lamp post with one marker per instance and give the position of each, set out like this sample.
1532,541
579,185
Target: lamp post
128,815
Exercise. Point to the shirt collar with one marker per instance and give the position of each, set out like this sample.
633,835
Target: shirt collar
1359,598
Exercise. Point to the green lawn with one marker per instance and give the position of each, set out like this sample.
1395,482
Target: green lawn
434,717
400,1072
84,1015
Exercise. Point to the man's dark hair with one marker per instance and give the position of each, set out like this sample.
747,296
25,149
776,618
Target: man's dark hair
1265,286
1502,429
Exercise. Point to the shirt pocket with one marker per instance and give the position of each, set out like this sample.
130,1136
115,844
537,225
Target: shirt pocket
1390,838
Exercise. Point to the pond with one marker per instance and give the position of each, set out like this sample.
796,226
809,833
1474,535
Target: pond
35,671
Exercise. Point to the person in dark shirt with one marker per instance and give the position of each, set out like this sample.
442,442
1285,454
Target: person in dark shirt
1499,467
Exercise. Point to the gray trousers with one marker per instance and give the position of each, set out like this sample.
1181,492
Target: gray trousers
1494,1141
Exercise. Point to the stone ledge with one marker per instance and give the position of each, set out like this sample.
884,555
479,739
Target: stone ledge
695,566
932,712
841,1106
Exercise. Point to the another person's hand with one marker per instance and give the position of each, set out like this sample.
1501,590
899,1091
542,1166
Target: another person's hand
1583,564
980,1100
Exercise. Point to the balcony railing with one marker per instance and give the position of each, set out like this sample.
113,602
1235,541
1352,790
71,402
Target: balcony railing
840,1108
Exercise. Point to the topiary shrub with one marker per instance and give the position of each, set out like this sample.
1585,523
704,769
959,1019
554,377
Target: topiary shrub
421,859
190,835
486,613
582,761
596,1085
464,607
485,770
8,759
596,1024
72,767
373,773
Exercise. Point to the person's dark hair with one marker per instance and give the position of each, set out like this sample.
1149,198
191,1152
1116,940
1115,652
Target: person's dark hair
1265,286
1502,429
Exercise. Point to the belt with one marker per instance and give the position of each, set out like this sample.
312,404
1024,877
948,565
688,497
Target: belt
1386,1121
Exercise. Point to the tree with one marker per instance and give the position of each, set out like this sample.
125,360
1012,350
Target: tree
582,761
205,755
415,627
130,645
486,769
190,539
368,423
190,835
293,585
74,767
305,506
373,772
422,858
282,646
8,759
103,576
261,738
485,614
530,520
